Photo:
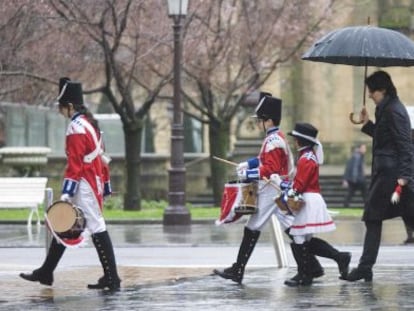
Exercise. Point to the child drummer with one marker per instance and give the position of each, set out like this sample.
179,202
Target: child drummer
313,217
274,158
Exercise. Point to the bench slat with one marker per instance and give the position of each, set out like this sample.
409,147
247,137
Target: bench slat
22,191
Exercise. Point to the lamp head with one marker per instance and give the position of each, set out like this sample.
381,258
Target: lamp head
177,8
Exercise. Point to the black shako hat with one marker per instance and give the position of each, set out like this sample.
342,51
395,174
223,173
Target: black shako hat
269,107
306,131
70,92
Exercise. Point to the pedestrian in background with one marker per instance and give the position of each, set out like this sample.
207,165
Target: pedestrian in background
354,176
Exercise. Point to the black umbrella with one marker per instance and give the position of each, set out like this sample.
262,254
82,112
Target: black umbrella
363,46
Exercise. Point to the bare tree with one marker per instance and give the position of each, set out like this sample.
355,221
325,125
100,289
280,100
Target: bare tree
122,49
126,45
117,48
20,30
231,49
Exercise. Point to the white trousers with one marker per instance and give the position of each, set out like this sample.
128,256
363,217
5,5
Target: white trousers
266,208
85,200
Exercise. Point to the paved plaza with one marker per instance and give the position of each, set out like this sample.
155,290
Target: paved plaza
171,269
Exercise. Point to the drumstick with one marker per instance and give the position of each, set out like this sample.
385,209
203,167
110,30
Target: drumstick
268,181
235,164
225,161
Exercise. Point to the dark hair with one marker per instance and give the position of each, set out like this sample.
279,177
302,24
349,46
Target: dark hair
91,119
380,80
276,122
85,111
302,142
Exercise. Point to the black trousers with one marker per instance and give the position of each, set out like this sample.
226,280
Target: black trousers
371,244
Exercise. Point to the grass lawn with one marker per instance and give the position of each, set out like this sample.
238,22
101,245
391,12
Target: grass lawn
154,210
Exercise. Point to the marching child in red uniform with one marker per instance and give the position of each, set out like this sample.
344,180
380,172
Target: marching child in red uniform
313,217
85,183
274,157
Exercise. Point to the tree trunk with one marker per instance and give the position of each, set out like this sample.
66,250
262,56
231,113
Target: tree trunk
219,137
132,197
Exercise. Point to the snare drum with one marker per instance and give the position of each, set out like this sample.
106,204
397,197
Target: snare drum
238,199
66,220
247,201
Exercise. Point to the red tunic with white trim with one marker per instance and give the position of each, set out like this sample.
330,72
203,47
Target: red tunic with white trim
274,157
307,174
79,143
314,216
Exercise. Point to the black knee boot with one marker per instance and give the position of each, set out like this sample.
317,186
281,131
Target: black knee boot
314,265
103,246
44,274
323,249
236,271
304,276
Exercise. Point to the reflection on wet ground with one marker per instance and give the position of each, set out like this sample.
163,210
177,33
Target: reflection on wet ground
264,290
169,286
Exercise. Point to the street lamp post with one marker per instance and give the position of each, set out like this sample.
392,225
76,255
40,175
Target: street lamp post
176,213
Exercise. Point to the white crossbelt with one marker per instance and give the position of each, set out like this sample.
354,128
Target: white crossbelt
98,150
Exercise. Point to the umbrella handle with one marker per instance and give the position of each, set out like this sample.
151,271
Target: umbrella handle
351,118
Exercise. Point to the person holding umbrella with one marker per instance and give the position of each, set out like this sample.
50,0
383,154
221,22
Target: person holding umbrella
392,166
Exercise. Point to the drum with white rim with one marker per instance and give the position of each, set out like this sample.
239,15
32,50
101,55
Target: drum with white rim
239,198
66,220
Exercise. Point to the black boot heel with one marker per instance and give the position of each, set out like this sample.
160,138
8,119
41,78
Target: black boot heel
344,258
234,273
359,274
38,276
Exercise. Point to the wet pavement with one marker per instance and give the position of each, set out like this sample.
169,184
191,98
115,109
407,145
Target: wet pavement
170,269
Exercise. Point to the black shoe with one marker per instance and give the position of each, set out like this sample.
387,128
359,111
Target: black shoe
315,274
233,273
38,276
343,260
104,283
359,273
299,280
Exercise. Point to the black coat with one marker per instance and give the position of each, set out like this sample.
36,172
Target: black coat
392,158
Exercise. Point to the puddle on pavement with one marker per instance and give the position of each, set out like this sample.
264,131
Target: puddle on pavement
263,289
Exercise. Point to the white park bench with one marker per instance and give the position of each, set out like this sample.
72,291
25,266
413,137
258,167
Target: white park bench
23,192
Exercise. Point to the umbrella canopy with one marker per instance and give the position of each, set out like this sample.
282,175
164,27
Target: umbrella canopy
363,46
